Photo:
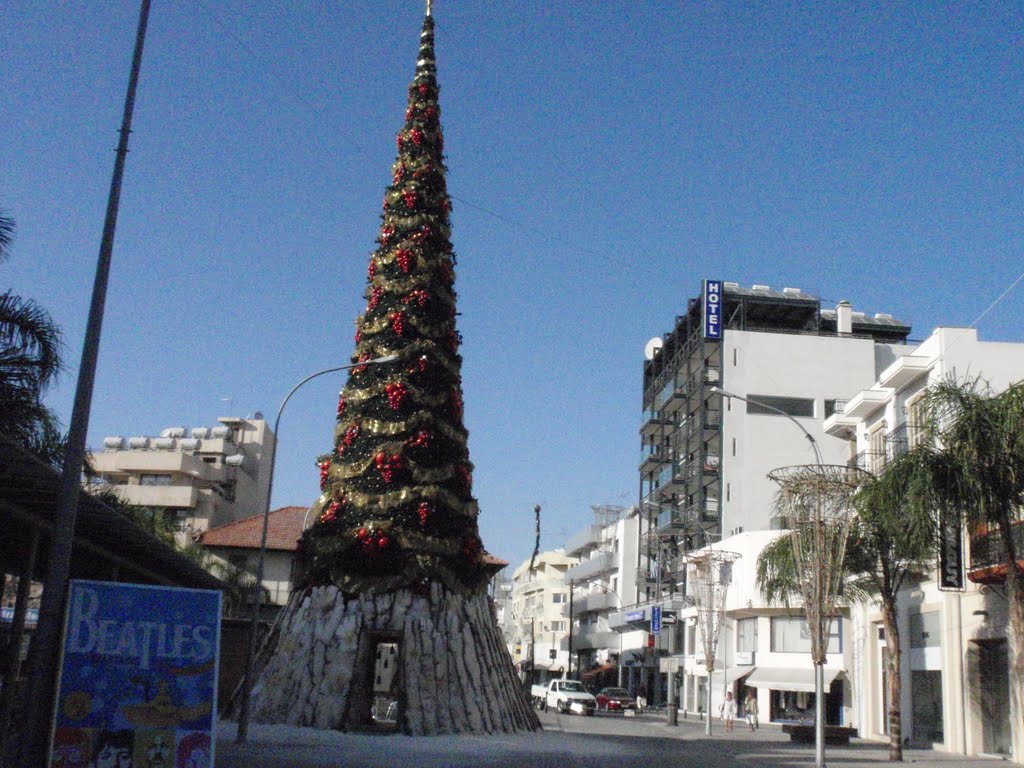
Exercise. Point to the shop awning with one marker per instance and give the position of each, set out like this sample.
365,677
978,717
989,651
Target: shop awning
732,674
789,679
597,671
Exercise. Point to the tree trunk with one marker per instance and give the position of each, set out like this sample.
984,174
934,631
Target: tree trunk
452,672
895,681
1015,639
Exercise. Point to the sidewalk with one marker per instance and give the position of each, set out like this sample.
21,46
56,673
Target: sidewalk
567,741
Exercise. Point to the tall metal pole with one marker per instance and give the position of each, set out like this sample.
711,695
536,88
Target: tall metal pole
572,585
257,590
39,696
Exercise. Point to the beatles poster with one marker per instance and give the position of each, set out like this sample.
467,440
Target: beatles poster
138,679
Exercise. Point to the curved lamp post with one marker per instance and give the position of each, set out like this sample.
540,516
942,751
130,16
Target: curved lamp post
250,655
819,672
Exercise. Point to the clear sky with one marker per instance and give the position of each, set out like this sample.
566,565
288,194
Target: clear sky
604,157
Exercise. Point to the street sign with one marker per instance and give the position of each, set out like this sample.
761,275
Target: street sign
552,653
656,619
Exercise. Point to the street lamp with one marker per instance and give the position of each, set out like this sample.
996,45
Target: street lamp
243,713
817,548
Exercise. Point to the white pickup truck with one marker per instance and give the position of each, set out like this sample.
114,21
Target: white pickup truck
564,696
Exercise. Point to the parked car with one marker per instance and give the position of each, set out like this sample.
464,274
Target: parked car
615,700
565,696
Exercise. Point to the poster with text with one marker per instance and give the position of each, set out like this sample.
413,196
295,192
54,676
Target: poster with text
138,678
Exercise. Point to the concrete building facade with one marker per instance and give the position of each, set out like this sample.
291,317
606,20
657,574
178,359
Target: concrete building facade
205,477
536,627
955,661
704,474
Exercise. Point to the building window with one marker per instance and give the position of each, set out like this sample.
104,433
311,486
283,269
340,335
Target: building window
154,479
746,635
558,597
791,406
924,630
876,447
558,626
916,418
790,634
691,639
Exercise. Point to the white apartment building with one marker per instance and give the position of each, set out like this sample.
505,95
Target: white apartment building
955,674
779,357
603,583
205,477
537,626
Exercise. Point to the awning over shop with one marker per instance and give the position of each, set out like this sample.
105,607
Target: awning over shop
597,671
732,674
789,679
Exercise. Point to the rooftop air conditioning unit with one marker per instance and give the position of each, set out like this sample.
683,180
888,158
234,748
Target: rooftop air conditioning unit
221,432
200,432
138,443
163,443
175,432
113,443
189,443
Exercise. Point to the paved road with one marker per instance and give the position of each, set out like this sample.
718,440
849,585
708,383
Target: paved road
568,741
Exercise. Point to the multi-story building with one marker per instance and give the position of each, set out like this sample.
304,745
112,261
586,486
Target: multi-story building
537,626
204,477
606,572
956,694
707,455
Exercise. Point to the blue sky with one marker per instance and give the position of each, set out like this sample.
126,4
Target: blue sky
604,159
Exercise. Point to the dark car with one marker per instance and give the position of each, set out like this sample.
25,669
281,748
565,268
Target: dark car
615,700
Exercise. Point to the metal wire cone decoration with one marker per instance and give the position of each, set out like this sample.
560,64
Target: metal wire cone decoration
710,573
816,503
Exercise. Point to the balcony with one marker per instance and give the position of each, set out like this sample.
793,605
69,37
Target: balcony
905,370
896,442
654,424
594,638
865,402
988,560
595,601
869,461
586,539
653,457
589,568
174,496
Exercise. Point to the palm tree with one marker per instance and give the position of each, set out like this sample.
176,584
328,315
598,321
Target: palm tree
30,347
891,540
981,439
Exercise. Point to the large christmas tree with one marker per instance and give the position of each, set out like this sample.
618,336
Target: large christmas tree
397,508
391,626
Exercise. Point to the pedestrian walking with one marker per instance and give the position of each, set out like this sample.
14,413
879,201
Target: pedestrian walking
728,711
641,698
750,710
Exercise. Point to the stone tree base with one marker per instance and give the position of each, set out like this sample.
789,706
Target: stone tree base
420,664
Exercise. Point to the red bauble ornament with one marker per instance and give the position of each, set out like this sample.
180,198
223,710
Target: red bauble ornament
386,233
396,392
362,359
359,335
375,295
330,513
341,405
419,296
404,258
399,140
372,270
409,198
398,322
430,112
383,542
424,511
325,467
417,136
424,89
420,440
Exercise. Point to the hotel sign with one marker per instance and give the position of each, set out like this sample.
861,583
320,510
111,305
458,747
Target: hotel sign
951,553
712,309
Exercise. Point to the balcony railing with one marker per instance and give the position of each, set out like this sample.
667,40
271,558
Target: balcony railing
592,567
987,548
896,442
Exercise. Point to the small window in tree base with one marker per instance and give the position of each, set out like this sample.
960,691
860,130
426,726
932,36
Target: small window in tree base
385,689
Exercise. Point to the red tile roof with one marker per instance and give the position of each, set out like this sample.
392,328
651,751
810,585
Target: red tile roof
283,531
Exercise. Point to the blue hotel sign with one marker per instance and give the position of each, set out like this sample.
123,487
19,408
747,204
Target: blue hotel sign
632,616
138,677
712,309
